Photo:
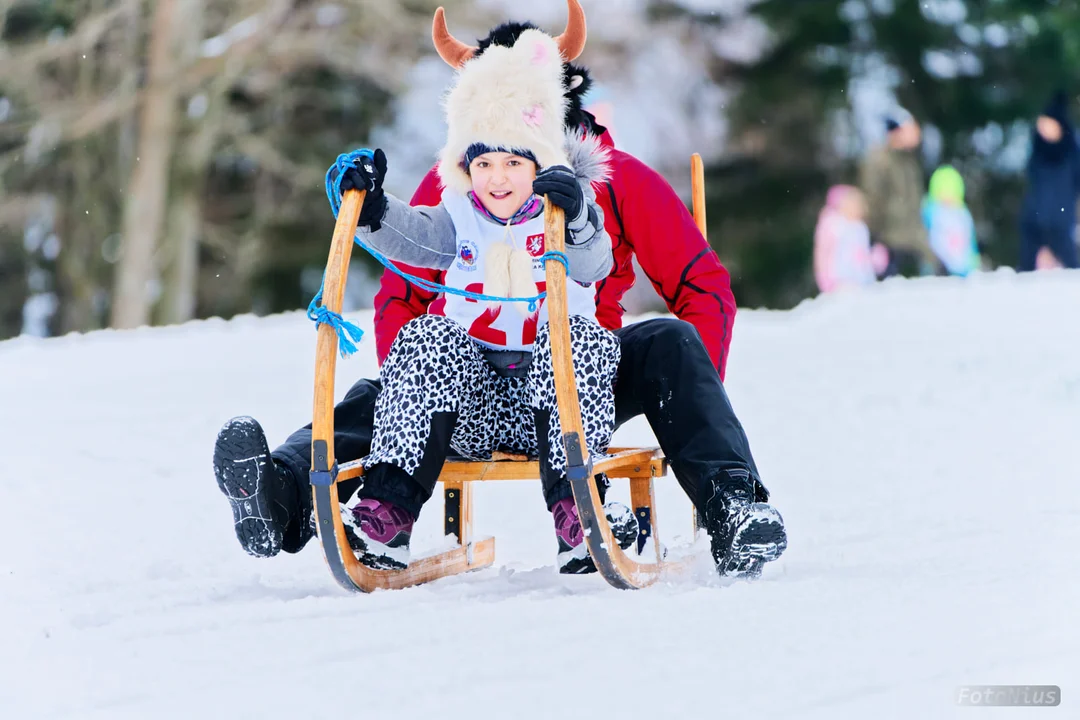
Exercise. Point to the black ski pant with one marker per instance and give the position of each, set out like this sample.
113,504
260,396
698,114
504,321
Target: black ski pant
665,373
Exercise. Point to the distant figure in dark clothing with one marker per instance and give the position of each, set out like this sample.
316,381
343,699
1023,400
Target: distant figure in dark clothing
891,176
1048,218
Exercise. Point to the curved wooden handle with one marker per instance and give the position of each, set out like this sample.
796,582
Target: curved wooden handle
559,327
697,185
326,353
617,567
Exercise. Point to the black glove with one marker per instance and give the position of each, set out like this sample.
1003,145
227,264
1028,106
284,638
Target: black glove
367,174
562,188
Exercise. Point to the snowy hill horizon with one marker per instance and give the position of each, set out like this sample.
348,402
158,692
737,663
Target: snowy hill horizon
919,438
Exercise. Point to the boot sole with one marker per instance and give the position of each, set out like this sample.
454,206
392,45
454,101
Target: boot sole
759,538
575,560
241,461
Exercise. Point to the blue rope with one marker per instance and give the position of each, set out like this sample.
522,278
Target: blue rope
346,329
348,333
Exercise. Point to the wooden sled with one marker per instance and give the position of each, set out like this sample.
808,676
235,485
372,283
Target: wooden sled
640,465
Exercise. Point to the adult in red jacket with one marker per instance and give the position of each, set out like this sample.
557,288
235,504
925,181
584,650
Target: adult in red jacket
671,370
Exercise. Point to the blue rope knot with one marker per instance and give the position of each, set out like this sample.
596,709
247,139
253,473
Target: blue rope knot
345,329
343,162
348,333
558,257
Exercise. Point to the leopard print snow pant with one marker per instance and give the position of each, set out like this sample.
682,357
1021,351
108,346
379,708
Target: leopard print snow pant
434,366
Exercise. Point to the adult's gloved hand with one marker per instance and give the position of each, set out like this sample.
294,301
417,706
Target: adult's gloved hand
367,173
562,188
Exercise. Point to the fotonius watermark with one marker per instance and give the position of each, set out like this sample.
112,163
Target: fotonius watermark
1008,696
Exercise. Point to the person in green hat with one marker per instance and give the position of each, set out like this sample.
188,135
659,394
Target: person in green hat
949,224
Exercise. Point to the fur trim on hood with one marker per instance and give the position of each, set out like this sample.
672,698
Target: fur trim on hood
589,158
509,97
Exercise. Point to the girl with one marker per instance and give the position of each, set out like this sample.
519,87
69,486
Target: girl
843,255
479,378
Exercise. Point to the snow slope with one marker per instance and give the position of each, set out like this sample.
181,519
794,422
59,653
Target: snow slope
920,439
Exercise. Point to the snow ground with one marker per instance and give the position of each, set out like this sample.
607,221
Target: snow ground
920,440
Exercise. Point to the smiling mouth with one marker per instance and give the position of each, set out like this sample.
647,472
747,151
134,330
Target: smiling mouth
500,194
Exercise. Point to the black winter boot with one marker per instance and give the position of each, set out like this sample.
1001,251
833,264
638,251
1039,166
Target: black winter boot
745,534
574,558
270,511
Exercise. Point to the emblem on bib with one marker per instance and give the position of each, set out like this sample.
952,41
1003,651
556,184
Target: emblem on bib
467,254
534,244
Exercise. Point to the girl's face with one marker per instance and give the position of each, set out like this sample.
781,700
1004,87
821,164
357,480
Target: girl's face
503,182
853,206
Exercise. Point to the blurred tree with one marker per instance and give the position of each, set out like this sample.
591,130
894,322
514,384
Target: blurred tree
146,199
221,147
257,98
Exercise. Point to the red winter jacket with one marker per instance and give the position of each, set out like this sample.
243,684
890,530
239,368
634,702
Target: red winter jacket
643,215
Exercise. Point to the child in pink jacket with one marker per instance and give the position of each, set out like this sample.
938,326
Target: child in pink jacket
843,254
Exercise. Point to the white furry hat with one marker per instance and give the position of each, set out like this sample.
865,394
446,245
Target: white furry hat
509,98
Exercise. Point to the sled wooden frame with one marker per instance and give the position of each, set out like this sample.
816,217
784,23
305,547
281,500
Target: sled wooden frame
640,465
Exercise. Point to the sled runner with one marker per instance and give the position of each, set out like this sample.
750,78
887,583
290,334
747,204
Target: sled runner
639,465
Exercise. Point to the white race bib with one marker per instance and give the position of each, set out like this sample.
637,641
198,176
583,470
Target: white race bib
501,327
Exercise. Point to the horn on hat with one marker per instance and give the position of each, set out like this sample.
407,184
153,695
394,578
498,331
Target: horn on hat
572,41
454,52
